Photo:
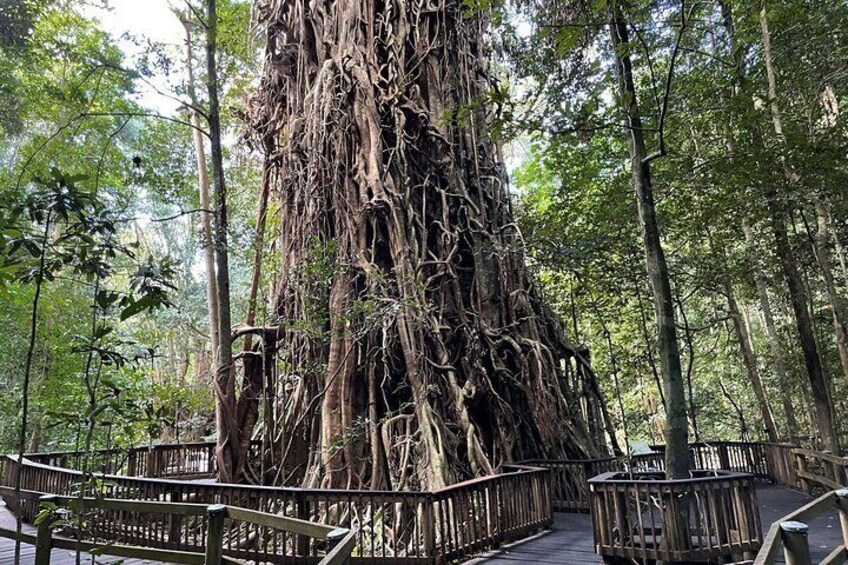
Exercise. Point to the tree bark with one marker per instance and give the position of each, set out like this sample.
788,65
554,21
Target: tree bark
749,359
776,349
203,188
415,350
677,455
225,407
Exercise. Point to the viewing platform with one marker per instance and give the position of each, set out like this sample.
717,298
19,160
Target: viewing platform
156,509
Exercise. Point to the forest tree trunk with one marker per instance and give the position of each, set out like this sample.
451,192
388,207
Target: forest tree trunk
677,453
798,297
749,359
776,349
837,306
203,188
225,416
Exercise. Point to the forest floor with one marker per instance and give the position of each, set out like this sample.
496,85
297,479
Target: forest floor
570,540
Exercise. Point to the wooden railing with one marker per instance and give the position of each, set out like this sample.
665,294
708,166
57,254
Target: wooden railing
820,469
208,526
711,517
790,533
770,461
186,460
391,527
481,514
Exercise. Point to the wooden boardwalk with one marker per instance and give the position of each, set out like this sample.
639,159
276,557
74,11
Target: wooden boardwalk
568,543
570,540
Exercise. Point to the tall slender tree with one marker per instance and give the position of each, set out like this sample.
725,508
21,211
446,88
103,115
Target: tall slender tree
777,207
677,451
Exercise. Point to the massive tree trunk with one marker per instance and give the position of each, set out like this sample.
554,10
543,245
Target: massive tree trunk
413,351
676,429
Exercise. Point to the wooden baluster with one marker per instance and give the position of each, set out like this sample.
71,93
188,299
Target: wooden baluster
176,525
796,546
44,537
215,533
302,510
428,525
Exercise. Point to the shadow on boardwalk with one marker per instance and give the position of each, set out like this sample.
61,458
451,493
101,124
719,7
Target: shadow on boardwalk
570,540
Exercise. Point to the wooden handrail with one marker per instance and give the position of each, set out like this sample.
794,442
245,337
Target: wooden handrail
820,469
342,540
790,532
458,521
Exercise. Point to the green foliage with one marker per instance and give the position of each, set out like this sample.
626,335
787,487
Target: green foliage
578,214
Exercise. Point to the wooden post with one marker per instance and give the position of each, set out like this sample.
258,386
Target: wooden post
335,536
428,526
796,546
302,514
215,534
151,463
842,508
132,466
723,457
175,528
844,472
44,537
801,466
742,502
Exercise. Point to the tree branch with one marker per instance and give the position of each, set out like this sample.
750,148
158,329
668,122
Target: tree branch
661,152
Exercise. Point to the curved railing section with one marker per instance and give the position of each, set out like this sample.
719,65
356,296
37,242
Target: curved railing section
391,526
438,526
711,517
770,461
790,532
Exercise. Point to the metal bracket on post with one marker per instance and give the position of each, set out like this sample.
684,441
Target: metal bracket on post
796,546
335,536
